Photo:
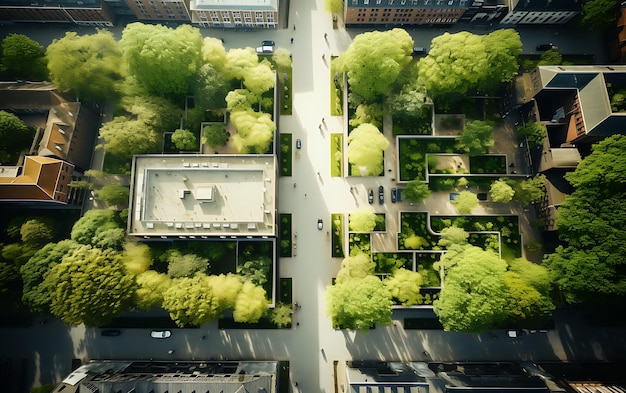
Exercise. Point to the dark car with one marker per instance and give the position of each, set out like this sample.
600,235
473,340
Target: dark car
381,194
393,195
298,144
267,43
545,47
418,50
370,196
111,332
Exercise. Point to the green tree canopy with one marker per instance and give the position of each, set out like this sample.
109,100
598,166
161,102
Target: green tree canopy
255,131
373,62
151,286
256,270
465,202
333,6
213,53
23,58
14,137
530,190
598,14
209,88
185,265
281,315
92,223
550,57
463,62
215,135
365,150
258,79
137,257
501,191
453,236
184,140
250,304
535,132
416,191
404,286
191,301
38,231
476,138
89,65
114,195
362,220
372,114
358,266
90,286
162,59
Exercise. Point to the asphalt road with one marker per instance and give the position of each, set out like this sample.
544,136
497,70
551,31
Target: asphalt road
313,345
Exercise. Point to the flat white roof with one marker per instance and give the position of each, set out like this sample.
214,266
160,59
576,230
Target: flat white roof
189,196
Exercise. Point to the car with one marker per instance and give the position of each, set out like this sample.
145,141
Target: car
268,43
160,334
265,49
320,224
298,144
393,195
111,332
370,196
381,194
418,50
545,47
515,333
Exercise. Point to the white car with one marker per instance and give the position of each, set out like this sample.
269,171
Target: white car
160,334
265,49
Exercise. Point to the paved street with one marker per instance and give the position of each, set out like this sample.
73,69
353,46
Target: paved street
314,345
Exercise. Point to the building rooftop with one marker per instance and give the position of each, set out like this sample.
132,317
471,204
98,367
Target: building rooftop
203,195
409,4
257,5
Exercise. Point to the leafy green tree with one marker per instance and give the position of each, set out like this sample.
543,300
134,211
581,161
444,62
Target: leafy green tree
89,65
281,315
333,6
90,286
529,285
463,62
225,289
137,257
191,301
416,191
362,220
35,294
185,265
453,236
215,135
114,195
213,53
465,202
372,114
92,223
501,191
184,140
250,304
151,286
404,286
410,105
256,270
113,238
359,303
366,145
598,14
373,62
209,88
357,266
37,231
23,58
535,132
258,79
530,190
476,138
550,57
14,136
474,296
238,60
240,100
414,242
255,131
282,59
162,59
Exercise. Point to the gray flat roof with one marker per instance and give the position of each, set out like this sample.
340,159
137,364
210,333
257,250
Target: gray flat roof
189,196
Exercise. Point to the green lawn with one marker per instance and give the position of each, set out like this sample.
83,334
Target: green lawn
337,223
336,155
336,91
285,154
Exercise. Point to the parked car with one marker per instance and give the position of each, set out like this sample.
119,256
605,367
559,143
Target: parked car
370,196
320,224
393,195
545,47
381,194
160,334
298,144
265,49
268,43
111,332
418,50
515,333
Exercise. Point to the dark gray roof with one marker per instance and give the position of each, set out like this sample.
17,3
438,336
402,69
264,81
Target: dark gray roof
409,4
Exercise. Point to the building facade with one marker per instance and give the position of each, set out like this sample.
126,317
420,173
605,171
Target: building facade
404,12
541,12
244,14
165,10
80,12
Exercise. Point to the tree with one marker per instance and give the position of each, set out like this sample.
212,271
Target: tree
474,296
529,286
404,286
256,270
373,62
258,79
598,14
281,315
358,266
89,65
185,265
362,220
530,190
550,57
465,202
215,135
451,237
162,59
191,301
410,105
501,191
250,304
36,294
372,114
359,303
463,62
213,53
14,136
184,140
23,58
225,290
90,286
238,60
37,231
416,191
255,131
240,100
114,195
534,132
136,257
365,150
333,6
112,238
476,138
209,88
92,223
151,286
282,59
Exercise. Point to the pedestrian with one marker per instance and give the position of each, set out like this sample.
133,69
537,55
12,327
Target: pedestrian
323,120
325,36
320,127
294,26
292,40
202,338
323,56
297,324
222,40
294,185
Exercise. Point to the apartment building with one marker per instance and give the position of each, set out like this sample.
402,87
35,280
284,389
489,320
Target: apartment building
404,12
80,12
541,12
165,10
233,14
